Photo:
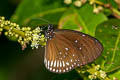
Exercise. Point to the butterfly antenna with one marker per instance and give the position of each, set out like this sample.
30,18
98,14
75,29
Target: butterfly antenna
44,27
42,20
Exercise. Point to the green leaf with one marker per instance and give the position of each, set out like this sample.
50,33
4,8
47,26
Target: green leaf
113,3
115,75
82,18
109,34
47,9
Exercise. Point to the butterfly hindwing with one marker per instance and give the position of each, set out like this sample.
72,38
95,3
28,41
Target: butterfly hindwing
69,49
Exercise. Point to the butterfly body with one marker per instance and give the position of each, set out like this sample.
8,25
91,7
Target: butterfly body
68,49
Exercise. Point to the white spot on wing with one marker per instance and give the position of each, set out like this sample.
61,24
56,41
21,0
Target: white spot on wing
50,69
63,63
67,49
73,54
55,63
64,56
48,63
76,41
67,69
60,53
45,60
51,63
96,40
60,70
83,35
71,60
60,64
70,67
75,63
67,63
54,70
78,64
80,48
57,70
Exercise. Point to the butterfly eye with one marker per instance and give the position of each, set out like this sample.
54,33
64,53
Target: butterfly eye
68,49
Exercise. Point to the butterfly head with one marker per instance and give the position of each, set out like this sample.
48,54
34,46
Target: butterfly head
49,33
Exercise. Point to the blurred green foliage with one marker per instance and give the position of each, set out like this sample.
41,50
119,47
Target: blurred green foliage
16,64
109,34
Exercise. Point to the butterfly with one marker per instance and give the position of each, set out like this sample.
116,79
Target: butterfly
67,49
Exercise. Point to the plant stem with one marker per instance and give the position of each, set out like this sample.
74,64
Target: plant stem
110,7
115,11
21,33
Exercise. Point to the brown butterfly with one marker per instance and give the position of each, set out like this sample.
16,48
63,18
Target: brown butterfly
68,49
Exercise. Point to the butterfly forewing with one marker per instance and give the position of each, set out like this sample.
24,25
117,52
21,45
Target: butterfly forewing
69,49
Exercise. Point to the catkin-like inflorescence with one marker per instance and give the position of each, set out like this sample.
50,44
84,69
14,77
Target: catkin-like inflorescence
96,72
97,8
24,35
